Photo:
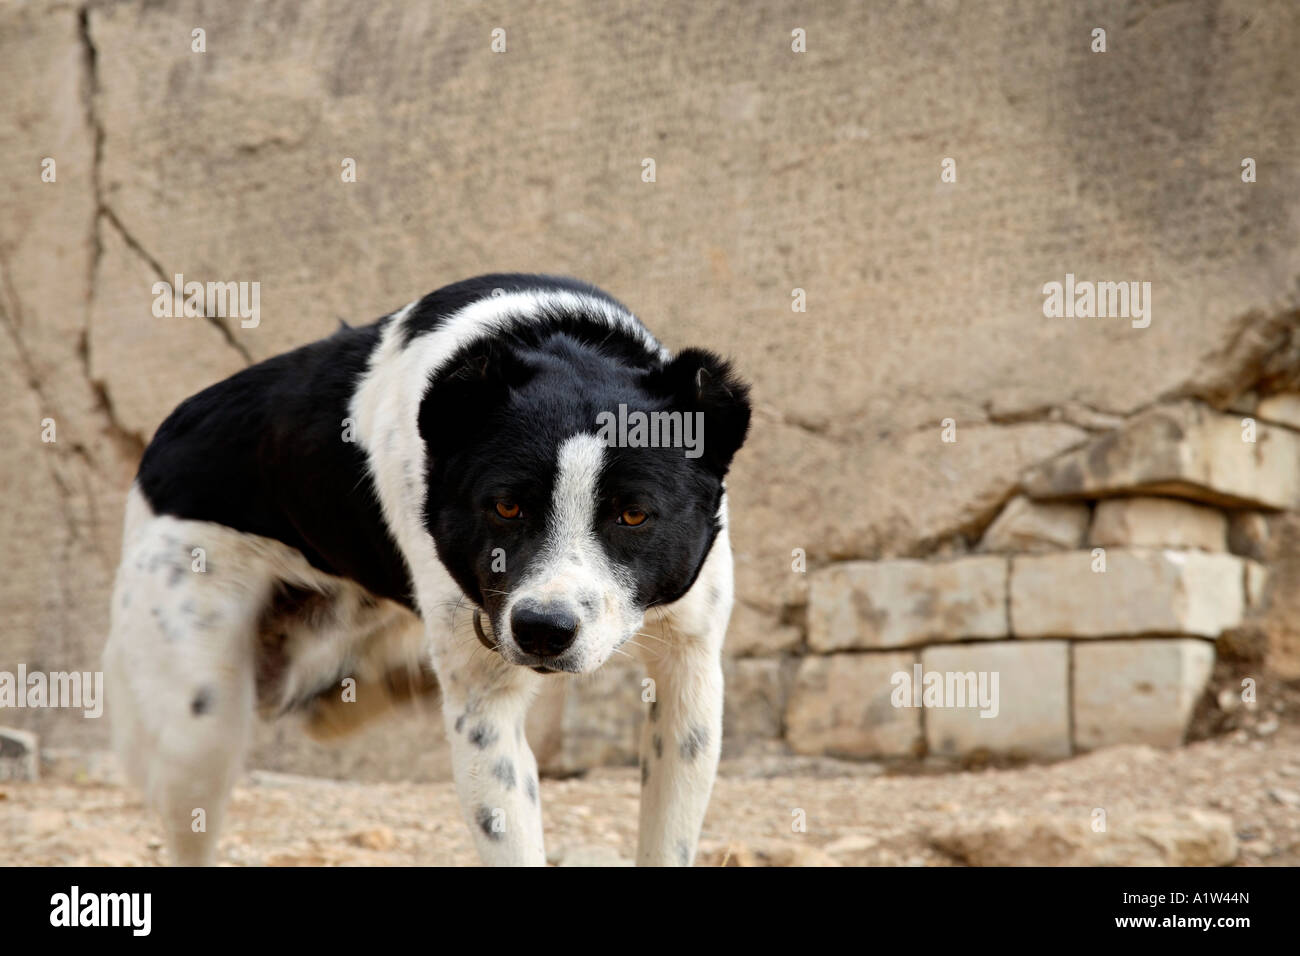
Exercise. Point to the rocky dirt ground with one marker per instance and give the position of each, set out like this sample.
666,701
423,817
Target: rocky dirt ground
1235,798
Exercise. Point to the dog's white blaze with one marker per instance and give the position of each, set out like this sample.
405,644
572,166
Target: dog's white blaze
573,566
573,501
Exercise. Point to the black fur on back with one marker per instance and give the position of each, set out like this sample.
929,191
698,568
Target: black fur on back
263,452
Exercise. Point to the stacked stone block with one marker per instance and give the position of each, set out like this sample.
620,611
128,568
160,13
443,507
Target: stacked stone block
1095,596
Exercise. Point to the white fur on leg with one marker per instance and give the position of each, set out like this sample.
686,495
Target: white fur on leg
682,737
485,701
679,752
179,671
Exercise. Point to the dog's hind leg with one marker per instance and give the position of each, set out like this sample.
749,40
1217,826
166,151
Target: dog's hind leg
180,672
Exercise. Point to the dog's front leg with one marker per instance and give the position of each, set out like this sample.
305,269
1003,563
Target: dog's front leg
680,744
682,736
485,701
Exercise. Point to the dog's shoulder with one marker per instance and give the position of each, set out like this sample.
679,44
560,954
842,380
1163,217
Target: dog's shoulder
267,452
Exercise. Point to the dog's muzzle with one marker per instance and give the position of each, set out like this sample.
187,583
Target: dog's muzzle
487,642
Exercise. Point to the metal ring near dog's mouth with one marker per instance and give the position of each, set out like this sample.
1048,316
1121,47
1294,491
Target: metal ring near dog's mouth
478,631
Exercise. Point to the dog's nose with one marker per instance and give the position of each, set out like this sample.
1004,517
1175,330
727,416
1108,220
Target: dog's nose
543,630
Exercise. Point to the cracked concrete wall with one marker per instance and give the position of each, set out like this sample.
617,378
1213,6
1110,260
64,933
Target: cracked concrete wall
775,171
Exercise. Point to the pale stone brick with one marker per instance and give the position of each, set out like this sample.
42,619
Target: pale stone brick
599,719
1138,691
1185,449
1283,409
754,704
1158,523
1025,525
1140,592
1032,718
884,604
755,632
841,706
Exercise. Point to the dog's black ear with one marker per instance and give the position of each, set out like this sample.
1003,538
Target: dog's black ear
697,380
461,401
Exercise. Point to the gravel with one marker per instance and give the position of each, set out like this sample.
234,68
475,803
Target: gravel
853,814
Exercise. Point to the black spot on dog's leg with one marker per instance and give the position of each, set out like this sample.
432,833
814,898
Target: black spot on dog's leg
483,736
658,745
697,740
169,633
485,818
530,788
471,708
683,853
504,771
202,702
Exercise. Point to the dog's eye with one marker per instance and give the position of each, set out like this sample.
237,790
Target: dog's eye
632,517
508,510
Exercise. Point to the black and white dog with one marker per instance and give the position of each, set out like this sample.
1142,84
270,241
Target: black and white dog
434,500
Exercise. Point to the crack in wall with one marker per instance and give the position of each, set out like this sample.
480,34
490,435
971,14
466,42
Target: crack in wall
1261,353
12,320
1140,11
11,316
1082,415
1064,413
106,213
131,441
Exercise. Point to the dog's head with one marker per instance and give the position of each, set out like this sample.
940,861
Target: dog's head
571,488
